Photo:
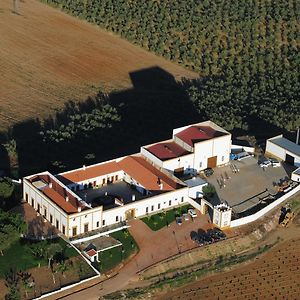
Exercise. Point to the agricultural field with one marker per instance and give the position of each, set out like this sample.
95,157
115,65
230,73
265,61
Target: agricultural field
48,58
274,275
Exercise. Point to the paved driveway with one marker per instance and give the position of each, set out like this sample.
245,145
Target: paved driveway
243,189
154,247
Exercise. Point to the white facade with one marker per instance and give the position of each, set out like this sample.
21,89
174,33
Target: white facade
222,215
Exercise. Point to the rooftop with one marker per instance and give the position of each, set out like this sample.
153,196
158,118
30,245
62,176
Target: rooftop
57,192
167,150
286,144
195,134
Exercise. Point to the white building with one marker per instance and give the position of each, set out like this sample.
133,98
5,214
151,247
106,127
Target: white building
192,149
103,194
283,149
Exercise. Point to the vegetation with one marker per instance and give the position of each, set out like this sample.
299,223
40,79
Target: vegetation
247,52
23,254
209,190
158,221
112,257
11,228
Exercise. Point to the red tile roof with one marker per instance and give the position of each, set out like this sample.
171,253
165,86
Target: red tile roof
57,193
91,252
146,174
89,172
194,134
167,150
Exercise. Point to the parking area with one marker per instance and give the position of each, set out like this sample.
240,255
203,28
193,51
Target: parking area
244,184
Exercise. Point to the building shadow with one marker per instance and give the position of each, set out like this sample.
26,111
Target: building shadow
148,111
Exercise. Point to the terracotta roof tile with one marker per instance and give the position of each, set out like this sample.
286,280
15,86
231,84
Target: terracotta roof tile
167,150
194,134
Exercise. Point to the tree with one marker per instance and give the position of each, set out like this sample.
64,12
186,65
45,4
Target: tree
208,190
52,250
6,188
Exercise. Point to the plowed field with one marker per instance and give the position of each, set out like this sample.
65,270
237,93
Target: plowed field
275,275
48,58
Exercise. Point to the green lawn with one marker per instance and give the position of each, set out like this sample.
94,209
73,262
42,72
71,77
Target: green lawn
158,221
19,256
111,258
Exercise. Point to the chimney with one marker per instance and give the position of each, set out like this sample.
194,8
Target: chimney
161,186
83,167
50,185
79,208
67,198
133,197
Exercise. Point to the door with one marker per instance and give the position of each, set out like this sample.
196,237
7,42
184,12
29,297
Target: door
130,214
86,227
212,162
74,231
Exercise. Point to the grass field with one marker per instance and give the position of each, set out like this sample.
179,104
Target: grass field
19,256
111,258
158,221
48,58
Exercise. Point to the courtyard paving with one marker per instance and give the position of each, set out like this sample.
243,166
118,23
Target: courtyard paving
245,188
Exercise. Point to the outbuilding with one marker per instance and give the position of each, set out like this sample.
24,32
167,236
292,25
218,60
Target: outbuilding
283,149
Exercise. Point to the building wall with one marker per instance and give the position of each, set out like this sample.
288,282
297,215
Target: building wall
151,157
177,197
186,162
30,192
275,150
295,177
97,180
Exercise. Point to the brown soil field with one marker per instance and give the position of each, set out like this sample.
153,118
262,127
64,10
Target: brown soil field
48,58
273,275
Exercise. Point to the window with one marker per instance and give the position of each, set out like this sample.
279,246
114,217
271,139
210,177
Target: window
38,208
74,231
97,224
152,208
51,219
117,177
222,158
45,212
117,218
158,206
103,222
64,229
86,227
103,181
182,199
26,197
94,183
200,165
170,202
147,209
57,224
32,202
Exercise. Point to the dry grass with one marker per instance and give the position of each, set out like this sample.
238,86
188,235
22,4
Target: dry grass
48,58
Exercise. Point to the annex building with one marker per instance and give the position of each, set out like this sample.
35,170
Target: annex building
92,197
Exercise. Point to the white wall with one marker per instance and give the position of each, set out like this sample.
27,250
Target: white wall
39,198
262,212
275,150
295,177
186,161
140,206
151,157
98,179
297,161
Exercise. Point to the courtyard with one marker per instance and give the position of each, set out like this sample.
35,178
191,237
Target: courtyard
244,184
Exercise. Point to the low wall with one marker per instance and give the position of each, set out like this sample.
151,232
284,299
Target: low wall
262,212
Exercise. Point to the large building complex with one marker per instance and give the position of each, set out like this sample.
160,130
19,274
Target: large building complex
103,194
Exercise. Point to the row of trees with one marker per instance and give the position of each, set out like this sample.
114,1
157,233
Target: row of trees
243,46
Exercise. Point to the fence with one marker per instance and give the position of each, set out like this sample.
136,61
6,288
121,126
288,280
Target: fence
262,212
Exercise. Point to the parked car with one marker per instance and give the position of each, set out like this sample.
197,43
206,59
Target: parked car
208,172
265,164
275,163
192,213
178,220
185,217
